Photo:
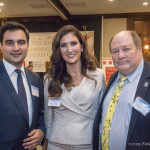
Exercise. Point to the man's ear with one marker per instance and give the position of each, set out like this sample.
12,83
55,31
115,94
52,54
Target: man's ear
28,44
1,45
140,48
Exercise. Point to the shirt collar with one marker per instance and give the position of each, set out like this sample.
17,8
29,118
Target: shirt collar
132,76
11,68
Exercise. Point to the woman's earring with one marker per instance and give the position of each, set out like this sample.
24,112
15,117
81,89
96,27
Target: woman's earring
82,50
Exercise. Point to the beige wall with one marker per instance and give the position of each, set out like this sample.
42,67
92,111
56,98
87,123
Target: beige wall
109,28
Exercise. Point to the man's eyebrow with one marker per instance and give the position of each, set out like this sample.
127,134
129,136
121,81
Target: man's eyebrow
8,41
21,40
126,46
13,41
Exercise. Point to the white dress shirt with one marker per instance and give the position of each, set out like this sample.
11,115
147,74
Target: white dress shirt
13,77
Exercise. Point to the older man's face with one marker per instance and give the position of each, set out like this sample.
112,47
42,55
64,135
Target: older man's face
126,56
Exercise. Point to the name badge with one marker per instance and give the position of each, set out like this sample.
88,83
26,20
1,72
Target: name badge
35,91
54,102
142,106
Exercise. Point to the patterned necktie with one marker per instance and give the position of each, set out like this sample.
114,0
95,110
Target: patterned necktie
22,93
109,114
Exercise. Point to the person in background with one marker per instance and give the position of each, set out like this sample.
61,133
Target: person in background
123,119
21,117
30,67
72,92
47,65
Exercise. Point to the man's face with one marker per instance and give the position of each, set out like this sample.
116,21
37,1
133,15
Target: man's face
14,47
126,56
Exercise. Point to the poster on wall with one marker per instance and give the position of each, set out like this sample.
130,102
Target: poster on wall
89,37
40,49
108,67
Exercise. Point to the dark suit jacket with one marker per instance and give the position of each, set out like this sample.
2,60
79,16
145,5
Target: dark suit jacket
13,123
139,129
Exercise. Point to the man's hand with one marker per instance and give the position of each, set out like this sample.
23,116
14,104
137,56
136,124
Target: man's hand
33,140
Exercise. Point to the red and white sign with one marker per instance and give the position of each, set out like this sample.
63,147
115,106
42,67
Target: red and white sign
108,67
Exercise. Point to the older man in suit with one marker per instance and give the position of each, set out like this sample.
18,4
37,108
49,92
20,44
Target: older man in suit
21,118
123,119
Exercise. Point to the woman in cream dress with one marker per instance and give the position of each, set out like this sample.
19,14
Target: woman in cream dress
73,89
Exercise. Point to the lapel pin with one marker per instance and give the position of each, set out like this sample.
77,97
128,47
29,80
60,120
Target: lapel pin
146,84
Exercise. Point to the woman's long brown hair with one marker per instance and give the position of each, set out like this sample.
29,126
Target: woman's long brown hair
57,73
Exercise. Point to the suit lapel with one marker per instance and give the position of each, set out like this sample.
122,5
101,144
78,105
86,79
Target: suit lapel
5,79
113,77
71,104
32,82
111,80
142,92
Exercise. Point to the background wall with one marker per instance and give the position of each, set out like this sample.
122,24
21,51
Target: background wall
110,28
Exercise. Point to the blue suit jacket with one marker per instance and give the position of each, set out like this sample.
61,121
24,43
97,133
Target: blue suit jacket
139,129
13,122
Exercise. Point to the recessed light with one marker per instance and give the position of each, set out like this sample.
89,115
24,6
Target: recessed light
111,0
145,3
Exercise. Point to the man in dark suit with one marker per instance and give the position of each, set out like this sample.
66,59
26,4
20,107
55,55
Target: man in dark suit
20,128
129,128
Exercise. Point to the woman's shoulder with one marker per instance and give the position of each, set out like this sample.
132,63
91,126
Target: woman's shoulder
46,79
98,71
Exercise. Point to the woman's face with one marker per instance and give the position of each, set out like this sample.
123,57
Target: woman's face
70,48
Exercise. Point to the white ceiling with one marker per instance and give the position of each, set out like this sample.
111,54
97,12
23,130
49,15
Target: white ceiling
29,8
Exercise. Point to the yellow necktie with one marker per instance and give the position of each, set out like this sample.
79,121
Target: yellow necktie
109,114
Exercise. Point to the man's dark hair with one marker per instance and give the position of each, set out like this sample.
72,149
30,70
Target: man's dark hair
12,26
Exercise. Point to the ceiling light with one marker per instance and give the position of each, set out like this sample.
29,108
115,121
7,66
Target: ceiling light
111,0
1,4
145,3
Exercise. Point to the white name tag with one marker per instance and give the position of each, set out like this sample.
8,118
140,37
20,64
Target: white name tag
54,102
35,91
142,106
